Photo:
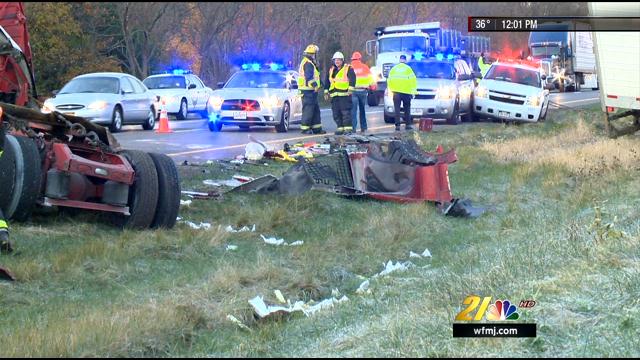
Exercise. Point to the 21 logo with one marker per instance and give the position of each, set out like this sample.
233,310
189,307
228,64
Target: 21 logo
498,311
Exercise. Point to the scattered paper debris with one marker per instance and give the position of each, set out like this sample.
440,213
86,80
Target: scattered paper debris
278,242
425,253
279,296
229,228
363,288
232,247
335,293
234,320
231,183
391,267
264,310
205,226
237,162
185,202
202,195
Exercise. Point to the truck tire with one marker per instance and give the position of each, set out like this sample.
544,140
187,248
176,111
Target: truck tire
168,192
143,194
20,177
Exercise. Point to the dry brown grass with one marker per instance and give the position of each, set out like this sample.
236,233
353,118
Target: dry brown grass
580,150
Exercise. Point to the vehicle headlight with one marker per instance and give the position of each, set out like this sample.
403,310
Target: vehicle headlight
534,100
270,101
446,93
97,105
47,107
481,92
216,102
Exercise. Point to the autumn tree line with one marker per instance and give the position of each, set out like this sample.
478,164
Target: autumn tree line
214,39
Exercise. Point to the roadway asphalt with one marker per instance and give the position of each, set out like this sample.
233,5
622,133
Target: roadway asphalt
191,139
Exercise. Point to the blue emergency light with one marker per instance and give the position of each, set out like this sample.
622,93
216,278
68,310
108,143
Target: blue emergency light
439,56
418,55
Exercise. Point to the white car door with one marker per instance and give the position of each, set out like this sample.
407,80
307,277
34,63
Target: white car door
203,92
296,99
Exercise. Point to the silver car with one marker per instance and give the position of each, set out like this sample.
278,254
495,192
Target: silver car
181,93
445,91
256,98
112,99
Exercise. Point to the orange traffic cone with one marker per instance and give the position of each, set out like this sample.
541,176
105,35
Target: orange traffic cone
164,121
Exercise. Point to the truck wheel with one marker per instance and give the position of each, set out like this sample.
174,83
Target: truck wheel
143,194
20,177
168,192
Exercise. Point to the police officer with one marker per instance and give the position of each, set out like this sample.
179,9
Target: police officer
5,245
402,82
309,85
483,64
339,85
364,82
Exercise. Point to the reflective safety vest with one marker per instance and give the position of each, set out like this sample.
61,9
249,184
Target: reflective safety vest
364,79
483,67
302,81
401,79
340,83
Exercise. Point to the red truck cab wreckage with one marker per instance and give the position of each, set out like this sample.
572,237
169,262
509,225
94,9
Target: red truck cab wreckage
66,161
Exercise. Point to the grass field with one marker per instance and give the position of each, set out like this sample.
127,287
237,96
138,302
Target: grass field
562,229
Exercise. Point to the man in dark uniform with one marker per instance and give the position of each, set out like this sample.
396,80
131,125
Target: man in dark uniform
309,85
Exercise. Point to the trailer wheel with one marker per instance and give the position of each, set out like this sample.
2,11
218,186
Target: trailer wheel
168,192
20,177
143,194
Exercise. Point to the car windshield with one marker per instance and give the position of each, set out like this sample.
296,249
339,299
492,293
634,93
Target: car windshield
102,85
514,75
405,43
165,82
544,51
255,79
433,70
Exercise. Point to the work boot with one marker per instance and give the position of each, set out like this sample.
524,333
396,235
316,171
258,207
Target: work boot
339,132
308,131
319,131
397,127
5,245
363,131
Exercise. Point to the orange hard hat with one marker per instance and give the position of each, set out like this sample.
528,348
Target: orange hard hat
356,56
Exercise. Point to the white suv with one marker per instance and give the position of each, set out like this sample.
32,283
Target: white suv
181,93
512,92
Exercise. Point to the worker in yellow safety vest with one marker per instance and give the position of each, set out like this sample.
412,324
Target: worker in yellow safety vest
483,64
339,85
309,85
5,245
403,84
364,83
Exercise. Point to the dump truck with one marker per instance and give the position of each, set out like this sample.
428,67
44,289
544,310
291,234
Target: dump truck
418,41
63,161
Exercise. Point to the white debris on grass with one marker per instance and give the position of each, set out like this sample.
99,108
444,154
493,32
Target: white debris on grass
278,242
363,288
205,226
391,267
232,247
264,310
279,296
185,202
231,183
425,253
234,320
239,162
229,228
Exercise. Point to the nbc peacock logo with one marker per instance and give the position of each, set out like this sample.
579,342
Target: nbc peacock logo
502,310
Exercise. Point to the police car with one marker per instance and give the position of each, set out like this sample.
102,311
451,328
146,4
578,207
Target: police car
257,96
181,92
444,91
512,91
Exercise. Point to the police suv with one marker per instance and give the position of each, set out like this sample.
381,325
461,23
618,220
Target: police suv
512,91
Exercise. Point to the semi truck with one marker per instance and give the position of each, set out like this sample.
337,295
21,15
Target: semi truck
419,41
565,54
618,66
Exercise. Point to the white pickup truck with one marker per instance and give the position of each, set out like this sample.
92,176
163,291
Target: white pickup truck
618,63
